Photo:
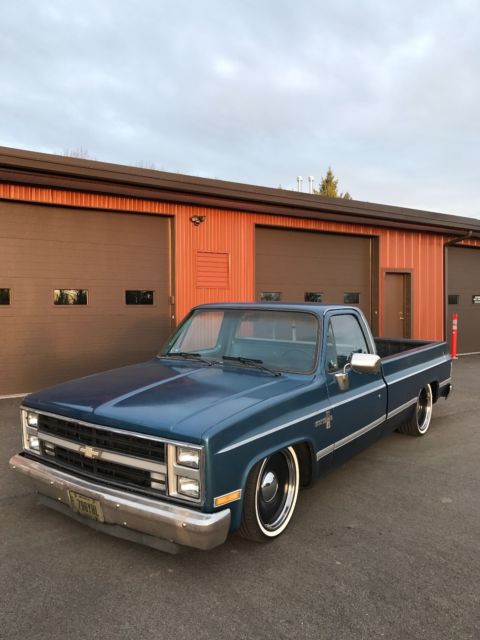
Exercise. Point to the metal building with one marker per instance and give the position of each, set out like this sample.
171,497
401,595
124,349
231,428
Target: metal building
98,261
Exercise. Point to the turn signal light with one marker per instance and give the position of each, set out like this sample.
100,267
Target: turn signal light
228,497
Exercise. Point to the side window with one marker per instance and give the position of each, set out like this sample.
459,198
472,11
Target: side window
345,337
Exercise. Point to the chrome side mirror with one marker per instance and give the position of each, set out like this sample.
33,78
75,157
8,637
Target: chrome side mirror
342,378
365,363
360,363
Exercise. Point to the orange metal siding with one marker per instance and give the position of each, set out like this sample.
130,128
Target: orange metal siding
232,234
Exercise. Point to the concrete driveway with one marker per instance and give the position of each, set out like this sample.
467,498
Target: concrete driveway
386,546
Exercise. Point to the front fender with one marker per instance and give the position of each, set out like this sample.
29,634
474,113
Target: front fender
233,467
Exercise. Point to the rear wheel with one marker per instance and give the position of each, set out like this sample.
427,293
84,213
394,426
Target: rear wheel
419,421
270,496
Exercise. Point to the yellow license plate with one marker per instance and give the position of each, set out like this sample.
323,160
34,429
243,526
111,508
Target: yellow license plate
86,506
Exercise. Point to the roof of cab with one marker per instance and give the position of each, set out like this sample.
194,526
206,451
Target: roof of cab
317,309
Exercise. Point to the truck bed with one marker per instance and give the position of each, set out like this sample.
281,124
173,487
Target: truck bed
409,365
391,346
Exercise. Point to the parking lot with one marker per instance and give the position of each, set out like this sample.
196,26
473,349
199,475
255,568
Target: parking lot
386,546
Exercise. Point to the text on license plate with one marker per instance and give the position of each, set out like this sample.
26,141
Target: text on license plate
86,506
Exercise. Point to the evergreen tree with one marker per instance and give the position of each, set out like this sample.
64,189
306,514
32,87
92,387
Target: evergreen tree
329,187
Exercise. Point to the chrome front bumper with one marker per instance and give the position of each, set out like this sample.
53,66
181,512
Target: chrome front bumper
132,513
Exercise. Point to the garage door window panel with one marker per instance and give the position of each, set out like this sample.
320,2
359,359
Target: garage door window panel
351,298
313,296
271,296
143,297
4,296
70,297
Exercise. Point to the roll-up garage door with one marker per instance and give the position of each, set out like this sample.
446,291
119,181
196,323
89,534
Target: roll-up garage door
299,266
80,291
463,276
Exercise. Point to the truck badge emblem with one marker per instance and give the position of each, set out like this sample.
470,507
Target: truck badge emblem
90,452
326,421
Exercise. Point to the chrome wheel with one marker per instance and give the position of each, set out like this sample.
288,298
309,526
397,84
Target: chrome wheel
276,492
271,494
424,409
420,415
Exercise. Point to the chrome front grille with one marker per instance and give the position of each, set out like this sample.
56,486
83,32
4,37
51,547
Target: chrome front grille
103,438
120,458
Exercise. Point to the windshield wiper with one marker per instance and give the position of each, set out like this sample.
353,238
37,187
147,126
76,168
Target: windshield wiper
187,355
252,362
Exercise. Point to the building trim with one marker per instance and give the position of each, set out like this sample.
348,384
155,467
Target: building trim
40,169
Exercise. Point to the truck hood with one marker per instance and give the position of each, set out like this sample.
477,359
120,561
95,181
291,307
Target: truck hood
173,400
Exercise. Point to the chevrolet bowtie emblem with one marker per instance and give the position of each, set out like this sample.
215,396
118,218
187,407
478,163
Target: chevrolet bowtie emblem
90,452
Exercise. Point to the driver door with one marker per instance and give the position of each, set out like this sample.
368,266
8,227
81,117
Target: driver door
358,412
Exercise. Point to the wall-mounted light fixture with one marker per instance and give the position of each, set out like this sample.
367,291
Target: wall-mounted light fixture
196,220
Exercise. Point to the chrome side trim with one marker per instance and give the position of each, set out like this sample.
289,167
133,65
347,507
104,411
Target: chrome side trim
324,452
360,432
445,382
402,407
135,513
240,443
410,375
104,454
380,387
273,430
353,436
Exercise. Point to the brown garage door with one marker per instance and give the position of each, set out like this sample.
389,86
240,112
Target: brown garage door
301,266
56,254
464,296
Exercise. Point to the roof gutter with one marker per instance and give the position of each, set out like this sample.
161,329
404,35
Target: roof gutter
453,241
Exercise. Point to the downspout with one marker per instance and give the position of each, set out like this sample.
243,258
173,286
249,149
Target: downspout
453,241
449,243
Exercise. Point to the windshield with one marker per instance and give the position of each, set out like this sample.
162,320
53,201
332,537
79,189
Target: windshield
280,340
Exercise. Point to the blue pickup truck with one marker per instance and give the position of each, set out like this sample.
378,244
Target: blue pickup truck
244,405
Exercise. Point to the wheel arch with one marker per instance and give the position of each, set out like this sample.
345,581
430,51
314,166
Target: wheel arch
435,387
305,454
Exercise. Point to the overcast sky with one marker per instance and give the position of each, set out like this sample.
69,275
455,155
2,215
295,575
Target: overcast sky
387,92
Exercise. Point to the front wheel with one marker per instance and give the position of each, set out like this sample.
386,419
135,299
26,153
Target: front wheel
270,496
418,423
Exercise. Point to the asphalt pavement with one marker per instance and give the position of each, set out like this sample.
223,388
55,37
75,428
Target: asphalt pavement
386,546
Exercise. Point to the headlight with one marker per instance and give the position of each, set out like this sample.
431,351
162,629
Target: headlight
31,441
188,457
32,419
189,487
185,472
34,443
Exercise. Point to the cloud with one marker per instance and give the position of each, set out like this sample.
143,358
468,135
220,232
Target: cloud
387,93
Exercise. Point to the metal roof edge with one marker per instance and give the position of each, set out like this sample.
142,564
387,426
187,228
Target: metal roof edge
32,167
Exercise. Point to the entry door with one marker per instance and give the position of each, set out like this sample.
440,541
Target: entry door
397,305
